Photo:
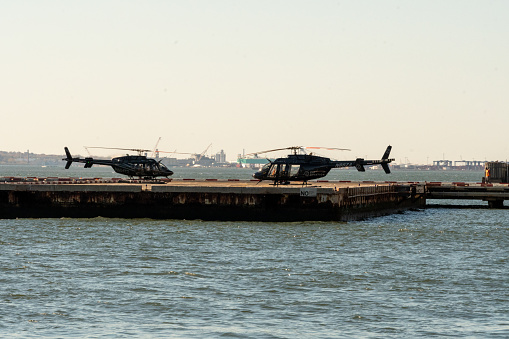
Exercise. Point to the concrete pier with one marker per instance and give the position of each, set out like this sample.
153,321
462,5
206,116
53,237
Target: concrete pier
207,199
494,194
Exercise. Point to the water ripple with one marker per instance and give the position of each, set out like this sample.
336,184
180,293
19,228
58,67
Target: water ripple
437,272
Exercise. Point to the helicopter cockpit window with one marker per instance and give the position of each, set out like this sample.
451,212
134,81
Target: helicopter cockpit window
294,170
266,166
273,171
284,170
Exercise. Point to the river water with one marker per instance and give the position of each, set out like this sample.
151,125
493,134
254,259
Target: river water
432,273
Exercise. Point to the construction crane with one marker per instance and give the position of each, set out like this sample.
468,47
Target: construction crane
199,156
155,152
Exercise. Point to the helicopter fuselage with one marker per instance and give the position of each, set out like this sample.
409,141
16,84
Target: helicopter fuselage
139,166
130,165
304,167
296,167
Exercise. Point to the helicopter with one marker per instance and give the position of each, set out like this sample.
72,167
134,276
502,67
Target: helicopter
130,165
304,167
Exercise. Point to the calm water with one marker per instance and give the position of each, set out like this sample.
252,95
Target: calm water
77,170
431,273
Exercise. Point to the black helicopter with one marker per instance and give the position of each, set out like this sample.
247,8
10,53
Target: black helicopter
304,167
130,165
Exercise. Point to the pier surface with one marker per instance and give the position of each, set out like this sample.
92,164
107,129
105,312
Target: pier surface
494,194
208,199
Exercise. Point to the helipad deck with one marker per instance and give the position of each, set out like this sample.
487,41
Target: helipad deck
208,199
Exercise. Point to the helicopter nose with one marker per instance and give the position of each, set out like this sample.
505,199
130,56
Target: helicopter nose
256,175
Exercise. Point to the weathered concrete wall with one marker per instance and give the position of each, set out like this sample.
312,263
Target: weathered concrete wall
262,203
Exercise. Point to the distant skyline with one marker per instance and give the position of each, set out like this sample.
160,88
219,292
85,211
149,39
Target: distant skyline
428,77
105,153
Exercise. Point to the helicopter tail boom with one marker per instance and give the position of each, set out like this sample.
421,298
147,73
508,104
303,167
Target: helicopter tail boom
384,162
88,161
359,163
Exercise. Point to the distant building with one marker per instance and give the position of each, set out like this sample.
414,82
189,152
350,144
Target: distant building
170,161
220,157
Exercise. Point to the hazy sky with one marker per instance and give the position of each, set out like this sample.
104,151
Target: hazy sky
430,78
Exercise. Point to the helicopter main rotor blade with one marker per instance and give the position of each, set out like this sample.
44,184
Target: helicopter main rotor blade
295,148
178,153
277,149
122,149
328,148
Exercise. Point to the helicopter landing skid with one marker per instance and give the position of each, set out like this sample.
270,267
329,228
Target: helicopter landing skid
277,183
141,181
